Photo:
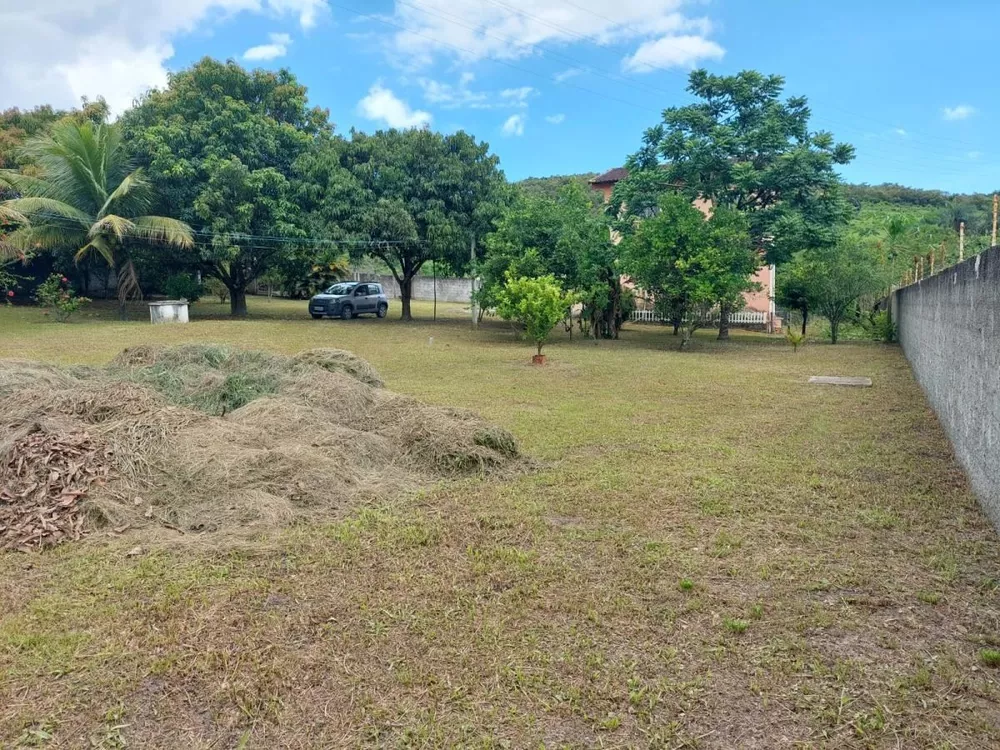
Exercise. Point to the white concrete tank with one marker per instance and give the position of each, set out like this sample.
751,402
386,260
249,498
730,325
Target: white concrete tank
169,311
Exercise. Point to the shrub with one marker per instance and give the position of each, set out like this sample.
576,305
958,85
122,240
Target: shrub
217,289
795,338
8,287
56,294
879,326
183,286
536,304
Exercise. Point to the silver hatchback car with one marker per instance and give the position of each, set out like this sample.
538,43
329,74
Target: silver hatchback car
349,299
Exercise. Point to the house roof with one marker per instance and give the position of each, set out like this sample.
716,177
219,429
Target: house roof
612,175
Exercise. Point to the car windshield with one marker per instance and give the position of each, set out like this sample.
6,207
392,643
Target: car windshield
340,289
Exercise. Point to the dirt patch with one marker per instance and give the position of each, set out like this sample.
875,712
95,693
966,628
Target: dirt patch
204,438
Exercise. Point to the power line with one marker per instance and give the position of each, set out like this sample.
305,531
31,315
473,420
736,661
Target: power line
240,239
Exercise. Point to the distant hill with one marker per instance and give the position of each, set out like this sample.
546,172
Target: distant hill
549,186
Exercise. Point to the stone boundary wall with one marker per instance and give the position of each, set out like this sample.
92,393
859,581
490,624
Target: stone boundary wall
949,328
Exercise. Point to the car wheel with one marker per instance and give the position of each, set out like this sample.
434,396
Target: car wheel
346,312
383,309
316,316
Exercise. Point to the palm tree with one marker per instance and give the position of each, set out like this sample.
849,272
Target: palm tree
88,198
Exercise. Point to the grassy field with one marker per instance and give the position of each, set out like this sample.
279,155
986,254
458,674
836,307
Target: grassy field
711,554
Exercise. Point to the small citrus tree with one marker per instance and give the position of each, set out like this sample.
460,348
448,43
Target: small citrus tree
536,304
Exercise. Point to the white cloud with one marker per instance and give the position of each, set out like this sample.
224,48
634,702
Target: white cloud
455,96
518,96
974,155
672,52
900,132
384,106
474,30
309,11
556,119
56,51
452,97
278,47
960,112
514,125
566,75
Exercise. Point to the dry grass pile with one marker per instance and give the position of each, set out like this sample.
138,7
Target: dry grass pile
200,438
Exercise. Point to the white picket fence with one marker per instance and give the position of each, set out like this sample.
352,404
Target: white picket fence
743,317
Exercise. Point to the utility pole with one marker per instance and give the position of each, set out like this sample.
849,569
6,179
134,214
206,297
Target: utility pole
996,205
961,241
434,266
472,293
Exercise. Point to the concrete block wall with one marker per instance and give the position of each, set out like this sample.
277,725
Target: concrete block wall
949,328
448,289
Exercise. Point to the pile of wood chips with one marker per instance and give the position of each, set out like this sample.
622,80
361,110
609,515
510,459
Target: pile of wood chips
42,480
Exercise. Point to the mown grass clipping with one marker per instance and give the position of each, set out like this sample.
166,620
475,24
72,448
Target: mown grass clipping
206,438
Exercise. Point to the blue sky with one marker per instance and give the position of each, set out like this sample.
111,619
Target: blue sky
555,86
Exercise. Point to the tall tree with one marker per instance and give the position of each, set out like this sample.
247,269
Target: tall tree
219,144
87,197
566,236
836,279
744,148
408,197
691,262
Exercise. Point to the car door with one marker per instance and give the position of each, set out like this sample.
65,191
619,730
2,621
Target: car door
361,300
374,294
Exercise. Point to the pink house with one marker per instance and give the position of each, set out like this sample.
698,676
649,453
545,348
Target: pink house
758,306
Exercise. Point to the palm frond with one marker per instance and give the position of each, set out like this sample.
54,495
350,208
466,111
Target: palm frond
10,215
49,211
113,225
79,161
163,229
132,193
24,184
128,282
99,245
27,239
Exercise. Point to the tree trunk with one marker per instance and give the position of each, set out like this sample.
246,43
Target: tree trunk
723,323
238,302
686,339
122,307
805,318
677,324
405,294
540,345
834,326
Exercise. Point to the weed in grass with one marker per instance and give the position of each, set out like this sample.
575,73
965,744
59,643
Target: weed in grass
686,584
929,597
609,723
36,735
990,657
921,679
757,611
735,625
878,518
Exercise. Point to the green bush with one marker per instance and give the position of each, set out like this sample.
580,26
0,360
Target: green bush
216,288
56,294
536,304
879,326
183,286
795,338
8,287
